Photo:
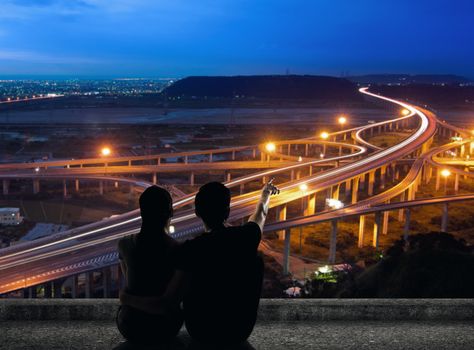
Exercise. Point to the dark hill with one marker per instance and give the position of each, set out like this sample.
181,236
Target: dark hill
266,87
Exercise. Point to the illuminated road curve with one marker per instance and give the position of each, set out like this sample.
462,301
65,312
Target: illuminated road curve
79,252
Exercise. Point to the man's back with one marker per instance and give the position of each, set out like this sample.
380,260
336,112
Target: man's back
225,282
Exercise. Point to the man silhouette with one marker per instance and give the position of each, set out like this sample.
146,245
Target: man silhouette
148,271
223,272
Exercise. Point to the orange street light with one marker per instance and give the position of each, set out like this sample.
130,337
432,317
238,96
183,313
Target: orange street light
303,187
405,112
324,135
445,172
270,147
342,120
106,151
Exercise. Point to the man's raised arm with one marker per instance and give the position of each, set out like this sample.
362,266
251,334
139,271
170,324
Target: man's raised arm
261,211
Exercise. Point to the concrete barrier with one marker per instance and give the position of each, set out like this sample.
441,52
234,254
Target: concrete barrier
270,309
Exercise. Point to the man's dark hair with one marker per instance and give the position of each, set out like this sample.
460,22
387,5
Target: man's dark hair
213,203
156,206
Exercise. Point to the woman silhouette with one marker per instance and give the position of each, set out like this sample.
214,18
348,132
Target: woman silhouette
146,265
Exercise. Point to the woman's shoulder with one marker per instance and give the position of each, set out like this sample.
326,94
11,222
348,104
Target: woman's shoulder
126,242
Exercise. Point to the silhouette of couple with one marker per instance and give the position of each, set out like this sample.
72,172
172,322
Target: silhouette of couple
217,276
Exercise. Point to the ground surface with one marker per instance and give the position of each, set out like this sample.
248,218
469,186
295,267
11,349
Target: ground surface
294,335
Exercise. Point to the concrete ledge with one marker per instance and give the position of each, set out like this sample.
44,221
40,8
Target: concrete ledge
270,309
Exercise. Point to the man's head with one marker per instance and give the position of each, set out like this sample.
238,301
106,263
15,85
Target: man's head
156,206
213,204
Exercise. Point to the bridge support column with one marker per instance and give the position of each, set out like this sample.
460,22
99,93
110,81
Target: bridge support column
309,204
57,288
48,290
438,179
101,188
210,157
254,153
36,186
32,292
286,252
64,189
324,149
362,181
370,190
227,176
360,242
386,217
406,227
154,179
335,191
377,229
355,189
74,286
348,188
88,284
400,211
462,151
456,183
306,150
298,174
383,170
281,216
191,178
444,218
242,188
106,281
6,187
233,155
76,185
333,242
292,175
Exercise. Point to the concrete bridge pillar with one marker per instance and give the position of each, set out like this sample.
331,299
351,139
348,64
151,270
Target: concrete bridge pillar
233,155
298,174
89,276
306,146
362,181
254,153
242,188
348,188
310,170
370,190
289,149
406,227
158,161
355,189
36,186
456,183
74,286
444,218
185,159
154,179
310,204
438,179
400,211
6,186
335,191
281,216
462,151
377,229
383,171
57,288
76,185
324,149
48,290
333,242
466,169
386,217
101,188
360,242
292,175
191,178
64,189
286,252
227,176
32,293
210,157
106,281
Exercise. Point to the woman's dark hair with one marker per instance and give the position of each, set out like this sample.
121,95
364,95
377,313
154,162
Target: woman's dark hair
212,203
156,206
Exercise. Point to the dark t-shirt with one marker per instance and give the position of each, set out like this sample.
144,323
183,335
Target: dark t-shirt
225,279
149,267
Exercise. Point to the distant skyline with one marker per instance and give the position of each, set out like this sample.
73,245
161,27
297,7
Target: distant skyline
149,38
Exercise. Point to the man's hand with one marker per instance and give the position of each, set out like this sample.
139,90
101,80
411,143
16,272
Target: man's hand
268,190
261,211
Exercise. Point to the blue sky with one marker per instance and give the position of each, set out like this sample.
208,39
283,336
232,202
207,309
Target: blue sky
174,38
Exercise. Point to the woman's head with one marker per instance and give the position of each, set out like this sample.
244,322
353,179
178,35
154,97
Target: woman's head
156,207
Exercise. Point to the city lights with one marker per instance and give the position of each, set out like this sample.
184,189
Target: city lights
303,187
334,203
405,112
445,172
324,135
342,120
270,147
106,151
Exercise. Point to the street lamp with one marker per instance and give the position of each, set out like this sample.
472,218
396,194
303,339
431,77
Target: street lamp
270,147
445,173
106,151
324,135
405,112
303,187
342,120
300,159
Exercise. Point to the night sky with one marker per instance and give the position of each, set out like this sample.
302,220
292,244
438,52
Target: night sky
174,38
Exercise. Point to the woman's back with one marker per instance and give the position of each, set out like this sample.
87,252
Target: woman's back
146,257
